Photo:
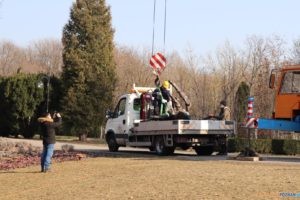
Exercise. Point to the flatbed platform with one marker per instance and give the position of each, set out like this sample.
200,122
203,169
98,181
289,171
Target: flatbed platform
202,127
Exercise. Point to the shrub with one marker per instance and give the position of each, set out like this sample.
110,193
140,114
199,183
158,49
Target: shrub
12,149
231,145
289,147
67,148
275,146
262,145
20,96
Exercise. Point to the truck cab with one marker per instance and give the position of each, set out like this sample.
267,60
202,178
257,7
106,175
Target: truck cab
287,98
122,119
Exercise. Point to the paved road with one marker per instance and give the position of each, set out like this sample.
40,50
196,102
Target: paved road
102,150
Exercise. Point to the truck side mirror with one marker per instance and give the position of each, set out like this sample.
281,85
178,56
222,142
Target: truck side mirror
109,114
272,81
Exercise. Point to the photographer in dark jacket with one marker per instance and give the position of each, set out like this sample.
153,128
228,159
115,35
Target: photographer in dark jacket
48,125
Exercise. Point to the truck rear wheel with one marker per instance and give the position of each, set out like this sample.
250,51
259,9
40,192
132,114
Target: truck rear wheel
170,150
184,147
160,147
112,143
204,150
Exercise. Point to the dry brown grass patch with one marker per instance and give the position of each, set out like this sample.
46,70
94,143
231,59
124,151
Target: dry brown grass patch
151,178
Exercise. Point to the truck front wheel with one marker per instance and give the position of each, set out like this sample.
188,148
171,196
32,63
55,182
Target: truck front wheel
112,143
160,147
204,150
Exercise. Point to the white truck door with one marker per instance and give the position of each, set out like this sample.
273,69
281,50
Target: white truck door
119,121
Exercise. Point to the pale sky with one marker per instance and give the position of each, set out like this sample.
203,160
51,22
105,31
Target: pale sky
202,25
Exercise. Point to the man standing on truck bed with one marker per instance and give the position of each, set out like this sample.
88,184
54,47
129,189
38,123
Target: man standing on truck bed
224,112
223,115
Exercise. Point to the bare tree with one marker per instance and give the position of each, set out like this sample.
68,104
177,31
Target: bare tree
225,75
47,54
259,53
197,82
209,80
11,58
131,69
260,56
215,77
296,52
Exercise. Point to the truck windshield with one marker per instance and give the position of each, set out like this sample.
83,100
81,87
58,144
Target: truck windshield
291,82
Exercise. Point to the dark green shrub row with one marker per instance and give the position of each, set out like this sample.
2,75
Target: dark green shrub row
276,146
23,100
290,147
20,96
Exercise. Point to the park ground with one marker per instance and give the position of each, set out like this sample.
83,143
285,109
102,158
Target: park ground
141,175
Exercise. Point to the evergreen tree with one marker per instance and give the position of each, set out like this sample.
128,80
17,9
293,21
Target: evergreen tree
89,69
241,100
20,97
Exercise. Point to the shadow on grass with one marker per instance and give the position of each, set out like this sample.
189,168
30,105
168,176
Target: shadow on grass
139,154
143,154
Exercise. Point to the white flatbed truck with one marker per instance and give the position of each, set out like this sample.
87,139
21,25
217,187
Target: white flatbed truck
124,127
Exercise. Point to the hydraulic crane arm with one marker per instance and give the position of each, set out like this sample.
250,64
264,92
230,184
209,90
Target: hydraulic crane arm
182,95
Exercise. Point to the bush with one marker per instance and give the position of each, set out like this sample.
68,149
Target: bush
275,146
231,145
238,144
23,100
67,148
262,145
12,149
20,96
289,147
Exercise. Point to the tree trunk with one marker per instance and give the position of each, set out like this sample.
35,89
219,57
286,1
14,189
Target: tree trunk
101,133
83,137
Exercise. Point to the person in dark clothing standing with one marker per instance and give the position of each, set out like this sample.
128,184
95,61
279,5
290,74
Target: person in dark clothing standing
48,125
224,112
223,115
